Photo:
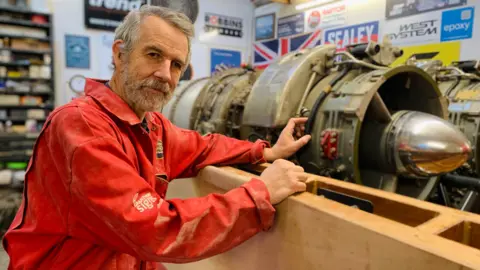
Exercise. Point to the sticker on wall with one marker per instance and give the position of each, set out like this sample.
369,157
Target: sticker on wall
325,17
107,15
222,59
414,30
223,25
267,52
349,35
457,24
402,8
444,51
265,27
291,25
77,51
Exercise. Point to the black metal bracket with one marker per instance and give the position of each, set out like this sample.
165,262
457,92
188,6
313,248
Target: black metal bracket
342,198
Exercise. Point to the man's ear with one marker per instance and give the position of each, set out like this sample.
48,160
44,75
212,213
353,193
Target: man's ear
118,52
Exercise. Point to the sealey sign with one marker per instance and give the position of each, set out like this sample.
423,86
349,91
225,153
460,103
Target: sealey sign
354,34
108,14
413,32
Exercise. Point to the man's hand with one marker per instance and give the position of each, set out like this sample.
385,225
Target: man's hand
286,145
282,179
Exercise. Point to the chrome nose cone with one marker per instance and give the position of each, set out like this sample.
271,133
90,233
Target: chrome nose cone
426,145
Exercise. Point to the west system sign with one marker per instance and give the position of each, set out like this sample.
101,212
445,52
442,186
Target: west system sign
419,31
224,25
355,34
108,14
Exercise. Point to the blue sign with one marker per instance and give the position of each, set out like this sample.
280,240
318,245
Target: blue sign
457,24
354,34
291,25
224,59
265,27
77,51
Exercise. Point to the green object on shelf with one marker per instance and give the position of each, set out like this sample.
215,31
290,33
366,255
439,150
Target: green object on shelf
17,165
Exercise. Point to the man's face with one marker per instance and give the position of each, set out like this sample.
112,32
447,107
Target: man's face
153,68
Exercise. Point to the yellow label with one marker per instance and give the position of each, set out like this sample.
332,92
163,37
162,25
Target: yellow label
446,52
468,95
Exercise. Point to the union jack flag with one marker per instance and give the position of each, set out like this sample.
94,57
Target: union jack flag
266,52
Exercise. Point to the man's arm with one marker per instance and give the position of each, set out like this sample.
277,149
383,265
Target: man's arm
130,217
190,151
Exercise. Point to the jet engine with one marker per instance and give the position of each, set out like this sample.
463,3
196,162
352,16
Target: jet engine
212,105
460,84
370,124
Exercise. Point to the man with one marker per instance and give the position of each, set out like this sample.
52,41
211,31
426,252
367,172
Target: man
95,186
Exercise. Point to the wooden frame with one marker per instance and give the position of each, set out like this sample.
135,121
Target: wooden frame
312,232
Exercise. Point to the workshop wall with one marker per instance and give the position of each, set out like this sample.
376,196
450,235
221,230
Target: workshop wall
347,22
68,15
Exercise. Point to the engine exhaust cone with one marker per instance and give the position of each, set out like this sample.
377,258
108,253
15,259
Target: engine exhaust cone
415,144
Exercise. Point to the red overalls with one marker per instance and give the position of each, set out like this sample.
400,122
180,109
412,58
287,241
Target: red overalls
95,189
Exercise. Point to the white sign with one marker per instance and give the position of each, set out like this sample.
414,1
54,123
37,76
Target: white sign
417,30
325,16
105,56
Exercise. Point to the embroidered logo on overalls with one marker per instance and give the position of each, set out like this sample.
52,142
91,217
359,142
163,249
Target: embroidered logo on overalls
145,202
159,149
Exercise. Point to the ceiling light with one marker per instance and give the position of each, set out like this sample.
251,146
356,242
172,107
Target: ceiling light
313,3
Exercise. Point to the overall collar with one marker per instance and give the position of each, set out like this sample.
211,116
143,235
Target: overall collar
112,102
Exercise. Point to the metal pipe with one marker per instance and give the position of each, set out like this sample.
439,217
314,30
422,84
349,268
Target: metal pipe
323,95
354,60
305,94
459,73
461,181
444,195
469,202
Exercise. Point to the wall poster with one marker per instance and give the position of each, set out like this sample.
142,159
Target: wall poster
77,51
353,34
403,8
221,59
291,25
265,27
447,52
325,17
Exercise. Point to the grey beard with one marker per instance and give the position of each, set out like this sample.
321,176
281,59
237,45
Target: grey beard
142,100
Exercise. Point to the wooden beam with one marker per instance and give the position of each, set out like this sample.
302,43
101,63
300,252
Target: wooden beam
312,232
440,224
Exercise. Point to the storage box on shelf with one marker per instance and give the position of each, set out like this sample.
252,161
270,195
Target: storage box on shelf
26,86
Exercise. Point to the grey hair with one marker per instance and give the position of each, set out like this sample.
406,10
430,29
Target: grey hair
130,27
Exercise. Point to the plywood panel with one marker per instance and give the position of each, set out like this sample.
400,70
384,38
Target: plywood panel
312,232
